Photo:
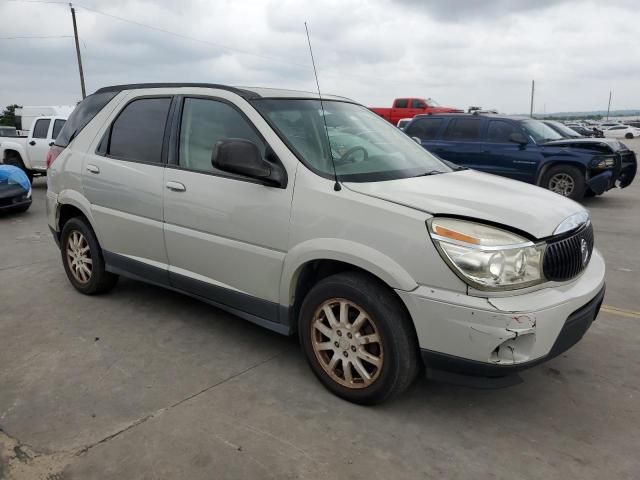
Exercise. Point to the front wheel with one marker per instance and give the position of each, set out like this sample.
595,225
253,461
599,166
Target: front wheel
629,136
358,338
565,180
16,161
82,258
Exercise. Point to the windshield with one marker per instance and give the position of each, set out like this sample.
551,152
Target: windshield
540,132
563,130
432,103
362,146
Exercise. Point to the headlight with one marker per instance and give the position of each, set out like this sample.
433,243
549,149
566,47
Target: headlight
603,161
485,257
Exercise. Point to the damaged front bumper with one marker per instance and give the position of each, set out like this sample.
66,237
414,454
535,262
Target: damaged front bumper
484,341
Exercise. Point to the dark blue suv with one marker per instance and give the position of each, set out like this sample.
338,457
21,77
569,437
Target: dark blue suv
527,150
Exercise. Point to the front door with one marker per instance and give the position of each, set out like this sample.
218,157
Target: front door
226,235
503,157
123,180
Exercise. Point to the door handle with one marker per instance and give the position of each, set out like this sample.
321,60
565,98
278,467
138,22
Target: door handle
93,169
32,143
176,186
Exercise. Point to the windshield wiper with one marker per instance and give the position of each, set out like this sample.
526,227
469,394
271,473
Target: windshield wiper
426,174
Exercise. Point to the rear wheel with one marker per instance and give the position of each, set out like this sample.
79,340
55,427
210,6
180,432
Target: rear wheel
82,258
358,338
15,160
565,180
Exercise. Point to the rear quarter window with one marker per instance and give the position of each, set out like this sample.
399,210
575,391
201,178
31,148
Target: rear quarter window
82,115
401,103
425,128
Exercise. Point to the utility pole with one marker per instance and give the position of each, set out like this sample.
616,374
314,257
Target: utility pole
609,107
533,88
75,33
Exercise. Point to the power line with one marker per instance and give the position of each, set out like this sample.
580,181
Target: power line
24,37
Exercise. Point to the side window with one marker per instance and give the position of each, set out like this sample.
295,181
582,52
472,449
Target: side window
401,103
57,126
41,128
499,131
138,132
205,123
415,103
424,128
463,129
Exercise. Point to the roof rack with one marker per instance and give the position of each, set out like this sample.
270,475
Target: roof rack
246,94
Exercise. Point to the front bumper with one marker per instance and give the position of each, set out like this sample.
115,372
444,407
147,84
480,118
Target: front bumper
498,336
13,197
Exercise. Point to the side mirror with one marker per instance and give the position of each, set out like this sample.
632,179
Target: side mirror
237,155
517,137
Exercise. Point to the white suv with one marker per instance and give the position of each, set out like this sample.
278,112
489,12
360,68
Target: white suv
323,219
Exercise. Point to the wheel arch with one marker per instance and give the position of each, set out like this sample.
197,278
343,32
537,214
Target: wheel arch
306,265
72,204
554,163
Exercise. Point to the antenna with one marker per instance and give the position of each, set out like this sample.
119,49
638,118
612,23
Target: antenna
336,186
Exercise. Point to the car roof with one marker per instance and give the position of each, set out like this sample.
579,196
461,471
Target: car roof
248,93
472,115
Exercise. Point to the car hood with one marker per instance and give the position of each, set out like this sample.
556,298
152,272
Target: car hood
604,145
477,195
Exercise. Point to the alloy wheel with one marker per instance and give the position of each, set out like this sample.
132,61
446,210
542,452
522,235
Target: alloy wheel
79,257
347,343
562,183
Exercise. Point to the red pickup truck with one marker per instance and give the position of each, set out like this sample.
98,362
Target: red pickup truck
410,107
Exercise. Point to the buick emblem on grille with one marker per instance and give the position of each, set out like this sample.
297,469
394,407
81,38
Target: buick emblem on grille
584,251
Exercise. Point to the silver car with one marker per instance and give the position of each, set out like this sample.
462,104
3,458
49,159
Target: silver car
323,220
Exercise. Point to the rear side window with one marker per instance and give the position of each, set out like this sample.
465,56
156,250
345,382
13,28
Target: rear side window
41,128
424,128
57,126
206,122
464,129
137,134
402,103
499,131
82,115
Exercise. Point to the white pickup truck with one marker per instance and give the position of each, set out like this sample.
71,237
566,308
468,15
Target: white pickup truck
30,153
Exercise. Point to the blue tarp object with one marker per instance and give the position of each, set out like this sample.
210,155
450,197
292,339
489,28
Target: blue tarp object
14,176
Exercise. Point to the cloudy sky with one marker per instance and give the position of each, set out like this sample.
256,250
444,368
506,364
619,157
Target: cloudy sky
459,52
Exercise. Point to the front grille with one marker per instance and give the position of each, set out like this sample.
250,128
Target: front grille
565,258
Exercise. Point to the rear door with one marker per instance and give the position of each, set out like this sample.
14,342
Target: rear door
399,110
461,141
503,157
123,180
427,130
38,144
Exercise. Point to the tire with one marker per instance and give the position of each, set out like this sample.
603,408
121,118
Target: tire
16,161
628,136
565,180
75,237
395,350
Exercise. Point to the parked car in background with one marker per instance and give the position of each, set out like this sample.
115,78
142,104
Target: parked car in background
562,129
209,190
410,107
622,131
30,153
403,122
633,123
527,150
15,190
587,131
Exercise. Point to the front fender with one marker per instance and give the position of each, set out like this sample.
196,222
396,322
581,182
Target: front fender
345,251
